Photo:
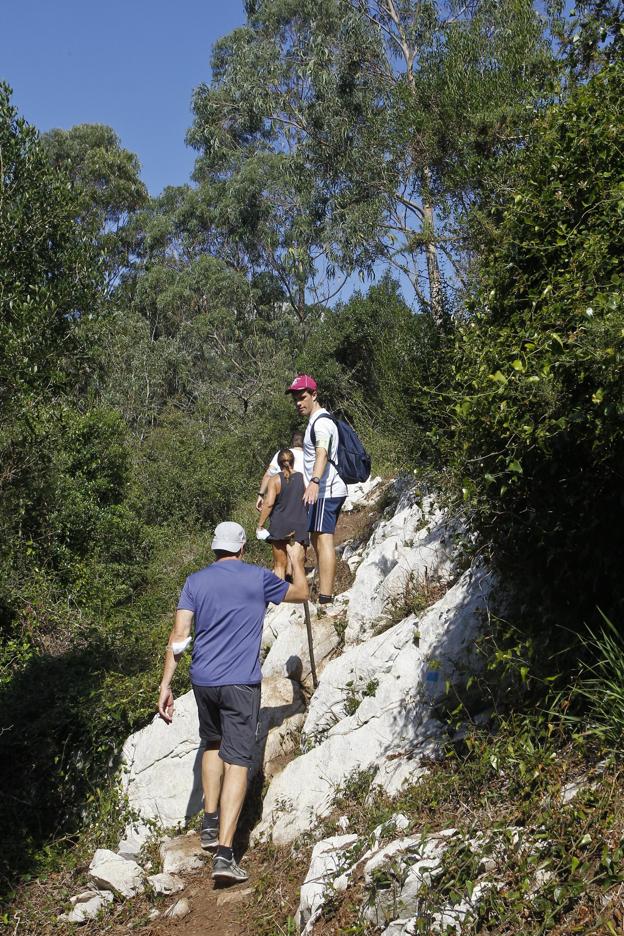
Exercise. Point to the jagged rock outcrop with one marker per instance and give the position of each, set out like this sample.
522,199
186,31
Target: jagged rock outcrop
376,704
414,546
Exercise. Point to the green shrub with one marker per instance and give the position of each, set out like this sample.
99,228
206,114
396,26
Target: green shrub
538,440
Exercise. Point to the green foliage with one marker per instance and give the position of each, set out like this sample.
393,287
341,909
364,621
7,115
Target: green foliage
538,443
106,183
352,131
376,362
599,687
593,36
71,547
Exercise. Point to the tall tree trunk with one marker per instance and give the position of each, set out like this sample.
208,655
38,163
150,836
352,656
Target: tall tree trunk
436,294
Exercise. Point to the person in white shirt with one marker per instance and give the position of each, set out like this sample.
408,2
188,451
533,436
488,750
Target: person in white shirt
296,447
325,491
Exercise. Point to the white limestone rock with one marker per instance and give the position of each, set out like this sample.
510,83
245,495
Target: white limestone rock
401,928
278,617
306,788
409,548
161,772
406,864
282,744
182,853
86,906
289,654
281,719
165,883
397,771
121,875
395,717
178,910
362,493
327,861
416,655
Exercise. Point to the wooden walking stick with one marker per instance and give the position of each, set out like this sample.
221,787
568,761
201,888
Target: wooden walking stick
306,613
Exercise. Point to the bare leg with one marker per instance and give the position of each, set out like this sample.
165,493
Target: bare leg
212,776
280,558
232,799
326,560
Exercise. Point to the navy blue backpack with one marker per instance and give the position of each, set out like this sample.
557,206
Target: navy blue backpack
353,462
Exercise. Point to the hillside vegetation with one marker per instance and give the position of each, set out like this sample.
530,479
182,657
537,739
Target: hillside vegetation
473,188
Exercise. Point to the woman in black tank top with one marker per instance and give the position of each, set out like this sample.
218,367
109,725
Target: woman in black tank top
284,503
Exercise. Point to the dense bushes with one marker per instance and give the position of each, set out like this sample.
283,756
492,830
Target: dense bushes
539,438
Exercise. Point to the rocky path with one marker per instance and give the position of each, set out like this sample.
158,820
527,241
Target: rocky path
230,911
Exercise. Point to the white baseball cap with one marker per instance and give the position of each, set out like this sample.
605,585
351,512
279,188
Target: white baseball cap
229,536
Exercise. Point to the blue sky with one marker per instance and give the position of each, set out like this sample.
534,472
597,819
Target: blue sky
132,65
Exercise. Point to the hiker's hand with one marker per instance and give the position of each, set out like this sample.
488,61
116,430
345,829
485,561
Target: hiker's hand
259,503
311,494
296,553
165,704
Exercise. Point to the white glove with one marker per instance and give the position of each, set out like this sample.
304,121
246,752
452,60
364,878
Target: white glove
262,534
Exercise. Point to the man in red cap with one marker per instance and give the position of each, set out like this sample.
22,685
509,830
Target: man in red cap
325,491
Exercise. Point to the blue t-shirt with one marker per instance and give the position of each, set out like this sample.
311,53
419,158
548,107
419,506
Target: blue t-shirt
229,599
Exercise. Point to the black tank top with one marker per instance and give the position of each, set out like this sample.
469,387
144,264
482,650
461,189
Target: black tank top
289,513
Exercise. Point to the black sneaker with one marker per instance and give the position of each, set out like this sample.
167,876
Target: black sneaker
209,839
225,870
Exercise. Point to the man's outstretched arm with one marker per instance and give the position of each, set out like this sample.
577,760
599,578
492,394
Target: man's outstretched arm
299,590
179,635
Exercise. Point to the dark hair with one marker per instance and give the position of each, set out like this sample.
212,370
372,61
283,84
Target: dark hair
285,455
297,439
222,553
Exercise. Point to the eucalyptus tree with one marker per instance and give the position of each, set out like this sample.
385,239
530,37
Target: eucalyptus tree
335,133
106,179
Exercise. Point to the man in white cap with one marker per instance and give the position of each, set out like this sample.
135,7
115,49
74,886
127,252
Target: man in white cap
226,602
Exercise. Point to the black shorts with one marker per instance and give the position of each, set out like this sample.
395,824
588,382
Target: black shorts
229,714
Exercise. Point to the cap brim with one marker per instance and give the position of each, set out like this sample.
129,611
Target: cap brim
226,546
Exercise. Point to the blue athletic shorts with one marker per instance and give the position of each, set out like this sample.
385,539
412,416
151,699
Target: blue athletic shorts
229,714
323,516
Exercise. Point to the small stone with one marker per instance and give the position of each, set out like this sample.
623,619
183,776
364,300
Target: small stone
183,853
233,896
178,910
122,875
86,906
165,883
570,791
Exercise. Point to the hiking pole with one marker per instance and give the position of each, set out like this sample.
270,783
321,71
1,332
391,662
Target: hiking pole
306,612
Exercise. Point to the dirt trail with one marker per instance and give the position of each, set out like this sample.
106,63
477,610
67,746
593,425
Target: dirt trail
231,911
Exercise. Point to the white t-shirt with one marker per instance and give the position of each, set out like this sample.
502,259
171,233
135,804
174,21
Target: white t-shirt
274,468
326,430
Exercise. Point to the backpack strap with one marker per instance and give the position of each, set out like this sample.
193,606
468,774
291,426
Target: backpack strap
313,433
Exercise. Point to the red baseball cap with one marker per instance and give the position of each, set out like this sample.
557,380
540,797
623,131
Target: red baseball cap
302,382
